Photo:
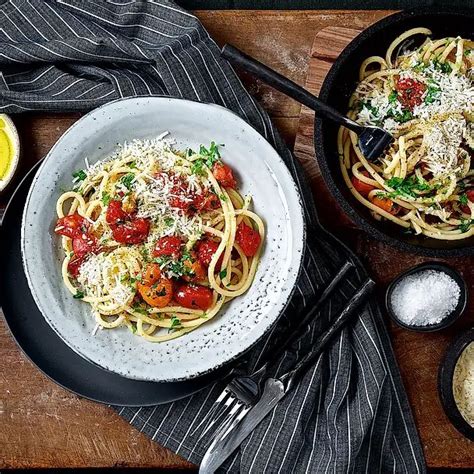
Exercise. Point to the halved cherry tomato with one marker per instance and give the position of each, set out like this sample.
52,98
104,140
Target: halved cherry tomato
169,247
131,232
115,214
360,186
194,296
84,244
224,175
470,197
72,225
196,270
151,274
248,239
206,250
74,265
159,294
206,202
180,197
386,204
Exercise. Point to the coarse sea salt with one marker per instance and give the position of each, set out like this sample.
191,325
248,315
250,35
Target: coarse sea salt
425,298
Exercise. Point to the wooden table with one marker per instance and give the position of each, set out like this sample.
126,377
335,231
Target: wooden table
43,425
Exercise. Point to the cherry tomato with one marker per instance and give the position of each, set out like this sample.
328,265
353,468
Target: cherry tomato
363,188
196,270
131,232
168,246
206,250
84,244
180,197
72,225
74,265
159,294
386,204
206,202
115,214
470,197
410,92
224,175
194,296
151,274
248,239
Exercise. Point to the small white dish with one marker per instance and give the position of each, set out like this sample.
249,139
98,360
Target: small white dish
241,323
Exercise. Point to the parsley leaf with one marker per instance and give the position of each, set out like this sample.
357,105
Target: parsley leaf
139,309
443,67
169,221
223,274
79,295
79,175
393,96
463,199
132,164
465,225
407,186
432,93
127,180
175,323
106,198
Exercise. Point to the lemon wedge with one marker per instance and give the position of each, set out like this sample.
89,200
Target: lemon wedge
9,150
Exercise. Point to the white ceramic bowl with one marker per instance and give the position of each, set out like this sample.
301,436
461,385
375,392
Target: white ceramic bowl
241,323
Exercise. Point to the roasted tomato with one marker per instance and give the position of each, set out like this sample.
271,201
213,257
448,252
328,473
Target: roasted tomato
206,250
206,202
151,274
74,265
470,197
72,226
194,296
224,175
248,239
386,204
180,197
410,92
131,232
196,271
84,244
361,187
115,214
169,247
159,294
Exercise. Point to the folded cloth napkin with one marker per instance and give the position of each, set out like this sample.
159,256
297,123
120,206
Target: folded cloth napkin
350,412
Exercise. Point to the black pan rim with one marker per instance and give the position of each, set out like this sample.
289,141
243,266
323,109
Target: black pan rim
118,386
320,145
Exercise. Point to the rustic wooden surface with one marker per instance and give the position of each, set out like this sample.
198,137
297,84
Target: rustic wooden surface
43,425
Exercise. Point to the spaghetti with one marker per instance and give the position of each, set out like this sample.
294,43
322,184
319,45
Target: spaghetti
158,240
425,98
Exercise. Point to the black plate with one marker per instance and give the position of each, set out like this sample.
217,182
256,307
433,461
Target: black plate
48,352
336,90
445,383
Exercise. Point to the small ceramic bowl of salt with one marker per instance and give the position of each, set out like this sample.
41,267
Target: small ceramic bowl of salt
428,297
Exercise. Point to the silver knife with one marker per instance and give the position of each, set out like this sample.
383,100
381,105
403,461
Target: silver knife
224,445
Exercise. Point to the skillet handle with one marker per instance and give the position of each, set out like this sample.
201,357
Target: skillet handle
287,86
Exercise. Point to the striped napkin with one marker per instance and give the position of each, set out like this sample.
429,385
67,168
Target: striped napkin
350,412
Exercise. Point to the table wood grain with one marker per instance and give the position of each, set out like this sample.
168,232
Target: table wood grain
45,426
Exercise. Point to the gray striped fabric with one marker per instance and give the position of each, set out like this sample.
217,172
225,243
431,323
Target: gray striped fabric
350,412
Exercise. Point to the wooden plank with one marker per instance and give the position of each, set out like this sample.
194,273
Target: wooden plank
418,355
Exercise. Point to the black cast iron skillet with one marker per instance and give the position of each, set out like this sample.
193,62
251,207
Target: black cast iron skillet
335,93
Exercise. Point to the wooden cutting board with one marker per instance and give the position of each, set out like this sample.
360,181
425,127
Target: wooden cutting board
418,354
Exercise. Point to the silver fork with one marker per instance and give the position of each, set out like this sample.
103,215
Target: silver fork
243,391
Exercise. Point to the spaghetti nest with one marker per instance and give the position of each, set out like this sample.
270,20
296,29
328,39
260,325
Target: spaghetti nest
158,240
425,98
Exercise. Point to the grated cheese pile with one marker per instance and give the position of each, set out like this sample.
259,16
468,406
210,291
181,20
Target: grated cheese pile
463,384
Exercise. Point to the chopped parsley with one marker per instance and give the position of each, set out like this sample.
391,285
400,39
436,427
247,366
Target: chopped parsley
209,156
127,180
79,295
403,117
223,274
432,93
139,309
407,186
393,96
443,67
79,175
463,199
106,198
465,225
222,197
175,323
169,221
133,328
132,164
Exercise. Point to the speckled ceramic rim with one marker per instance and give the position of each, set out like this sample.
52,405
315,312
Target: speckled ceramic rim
446,321
335,84
16,157
245,340
445,383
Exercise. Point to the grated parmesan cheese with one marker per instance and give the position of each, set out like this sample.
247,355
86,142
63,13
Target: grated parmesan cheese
463,384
